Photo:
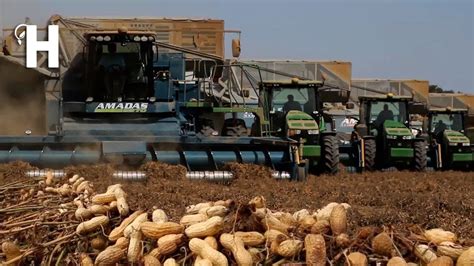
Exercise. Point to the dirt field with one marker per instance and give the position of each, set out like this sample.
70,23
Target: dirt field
434,199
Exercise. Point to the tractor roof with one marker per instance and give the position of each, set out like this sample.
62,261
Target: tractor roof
292,83
387,97
447,110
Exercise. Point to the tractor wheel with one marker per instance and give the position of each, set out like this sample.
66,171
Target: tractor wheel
330,155
370,150
420,156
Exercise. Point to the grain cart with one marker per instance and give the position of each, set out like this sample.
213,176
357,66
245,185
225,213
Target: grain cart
382,137
449,146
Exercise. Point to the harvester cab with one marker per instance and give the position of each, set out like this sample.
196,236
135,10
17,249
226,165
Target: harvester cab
119,66
382,137
294,111
449,146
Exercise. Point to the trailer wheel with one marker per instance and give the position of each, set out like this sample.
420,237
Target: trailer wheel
330,155
420,156
370,150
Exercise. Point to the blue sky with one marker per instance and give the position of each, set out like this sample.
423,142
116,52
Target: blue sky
418,39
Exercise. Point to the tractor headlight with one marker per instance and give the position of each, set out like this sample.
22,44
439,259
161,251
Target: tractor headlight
92,38
466,144
151,38
453,144
100,38
391,137
107,38
136,38
144,39
313,132
293,132
407,137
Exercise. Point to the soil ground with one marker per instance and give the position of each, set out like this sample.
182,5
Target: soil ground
429,200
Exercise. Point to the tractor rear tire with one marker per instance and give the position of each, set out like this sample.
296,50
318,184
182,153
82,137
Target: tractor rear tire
330,155
420,161
370,151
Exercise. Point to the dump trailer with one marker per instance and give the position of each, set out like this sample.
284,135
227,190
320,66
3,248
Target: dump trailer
449,146
128,99
382,137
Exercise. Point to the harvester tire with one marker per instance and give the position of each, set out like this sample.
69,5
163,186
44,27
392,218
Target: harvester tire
237,131
370,151
420,161
207,131
330,155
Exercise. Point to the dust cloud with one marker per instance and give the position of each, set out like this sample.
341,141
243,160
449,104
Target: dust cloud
22,100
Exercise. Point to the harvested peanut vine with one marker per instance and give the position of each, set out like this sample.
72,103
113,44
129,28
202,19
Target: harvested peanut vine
65,222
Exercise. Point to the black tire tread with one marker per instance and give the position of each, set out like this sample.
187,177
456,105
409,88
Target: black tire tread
420,160
330,154
370,151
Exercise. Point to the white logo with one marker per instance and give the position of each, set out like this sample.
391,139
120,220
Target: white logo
33,45
121,107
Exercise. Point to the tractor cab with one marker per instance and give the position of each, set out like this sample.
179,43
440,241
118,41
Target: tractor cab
291,106
445,119
294,111
449,146
380,114
382,138
119,66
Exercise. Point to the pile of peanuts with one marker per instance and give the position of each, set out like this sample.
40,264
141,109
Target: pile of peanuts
211,233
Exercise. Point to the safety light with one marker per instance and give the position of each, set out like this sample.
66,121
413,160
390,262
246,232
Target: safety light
107,38
144,39
92,38
100,38
151,38
136,38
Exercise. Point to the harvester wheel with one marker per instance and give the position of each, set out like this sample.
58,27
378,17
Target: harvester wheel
420,156
237,131
370,150
207,131
330,155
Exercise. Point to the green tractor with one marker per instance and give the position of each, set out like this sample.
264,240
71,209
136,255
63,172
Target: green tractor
293,111
449,146
382,137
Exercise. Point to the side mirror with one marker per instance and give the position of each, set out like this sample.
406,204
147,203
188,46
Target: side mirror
236,47
350,105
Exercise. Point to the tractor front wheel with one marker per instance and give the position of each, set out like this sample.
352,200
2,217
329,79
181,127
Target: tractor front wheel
370,150
420,161
330,155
